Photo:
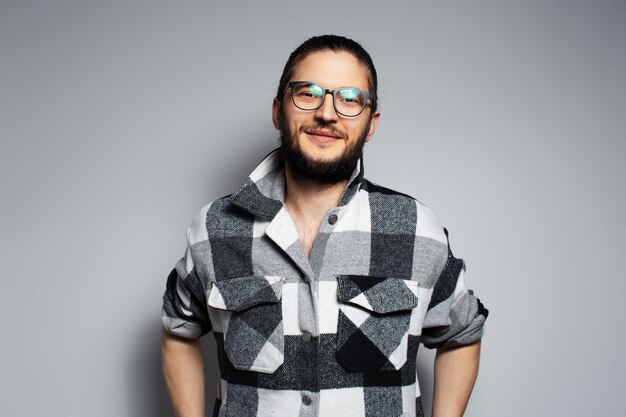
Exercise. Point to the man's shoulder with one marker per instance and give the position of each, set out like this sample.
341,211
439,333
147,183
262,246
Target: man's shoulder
216,213
219,205
402,207
371,187
385,193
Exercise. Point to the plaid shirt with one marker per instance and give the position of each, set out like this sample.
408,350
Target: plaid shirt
333,334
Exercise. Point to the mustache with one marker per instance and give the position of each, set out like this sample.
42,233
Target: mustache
326,129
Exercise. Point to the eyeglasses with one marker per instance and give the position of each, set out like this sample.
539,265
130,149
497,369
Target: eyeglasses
348,101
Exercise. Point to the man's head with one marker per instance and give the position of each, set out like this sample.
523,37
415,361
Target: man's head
323,144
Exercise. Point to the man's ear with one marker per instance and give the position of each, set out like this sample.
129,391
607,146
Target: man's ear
373,125
276,113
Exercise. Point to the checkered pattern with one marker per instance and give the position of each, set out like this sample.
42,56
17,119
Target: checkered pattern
332,334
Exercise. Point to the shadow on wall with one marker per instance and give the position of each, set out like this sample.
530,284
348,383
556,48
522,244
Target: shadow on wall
147,393
425,358
236,163
211,371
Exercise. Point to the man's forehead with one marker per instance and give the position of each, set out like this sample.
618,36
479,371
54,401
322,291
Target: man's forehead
332,70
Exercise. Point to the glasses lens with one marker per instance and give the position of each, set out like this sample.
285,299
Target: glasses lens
350,101
308,96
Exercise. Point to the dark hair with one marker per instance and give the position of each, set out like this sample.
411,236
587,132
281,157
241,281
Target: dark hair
333,43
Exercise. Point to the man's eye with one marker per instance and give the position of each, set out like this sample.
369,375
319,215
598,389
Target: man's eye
350,96
315,90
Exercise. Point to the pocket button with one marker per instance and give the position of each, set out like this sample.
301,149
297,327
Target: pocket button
306,336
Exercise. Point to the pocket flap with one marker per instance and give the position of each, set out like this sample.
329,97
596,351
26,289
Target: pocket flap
236,294
378,294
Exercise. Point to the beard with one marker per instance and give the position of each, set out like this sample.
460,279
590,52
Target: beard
326,172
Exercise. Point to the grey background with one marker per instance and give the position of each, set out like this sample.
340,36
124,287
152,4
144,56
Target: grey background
120,119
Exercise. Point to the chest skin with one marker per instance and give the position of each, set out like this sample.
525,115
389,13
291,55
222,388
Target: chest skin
308,227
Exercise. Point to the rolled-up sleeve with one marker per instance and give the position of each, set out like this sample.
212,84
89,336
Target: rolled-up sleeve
455,317
184,312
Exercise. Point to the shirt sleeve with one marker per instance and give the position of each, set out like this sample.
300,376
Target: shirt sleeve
455,317
184,312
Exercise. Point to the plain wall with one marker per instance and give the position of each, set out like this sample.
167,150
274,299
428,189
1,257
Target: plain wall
120,119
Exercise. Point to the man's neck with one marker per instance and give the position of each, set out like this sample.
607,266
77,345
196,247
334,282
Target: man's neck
307,202
306,197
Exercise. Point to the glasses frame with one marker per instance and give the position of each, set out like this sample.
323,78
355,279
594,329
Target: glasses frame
292,84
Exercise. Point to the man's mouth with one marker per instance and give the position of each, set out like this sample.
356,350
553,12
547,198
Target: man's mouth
323,134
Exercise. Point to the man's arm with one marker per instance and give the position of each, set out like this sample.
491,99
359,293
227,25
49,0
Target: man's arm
183,368
455,373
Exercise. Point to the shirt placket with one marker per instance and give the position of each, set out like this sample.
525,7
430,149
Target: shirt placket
284,233
311,400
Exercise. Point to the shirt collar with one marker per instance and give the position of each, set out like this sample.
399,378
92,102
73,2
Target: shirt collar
263,192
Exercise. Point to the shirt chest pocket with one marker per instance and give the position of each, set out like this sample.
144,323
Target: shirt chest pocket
373,322
252,321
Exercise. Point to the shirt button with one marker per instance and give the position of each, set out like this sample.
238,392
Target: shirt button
306,400
306,336
333,219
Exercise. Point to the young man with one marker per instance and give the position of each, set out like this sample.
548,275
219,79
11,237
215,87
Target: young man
318,284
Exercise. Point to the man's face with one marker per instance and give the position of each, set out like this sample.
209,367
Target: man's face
321,144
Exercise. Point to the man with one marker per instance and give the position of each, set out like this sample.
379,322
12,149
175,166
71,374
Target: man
317,284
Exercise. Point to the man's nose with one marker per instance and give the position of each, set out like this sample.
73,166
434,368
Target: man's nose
327,110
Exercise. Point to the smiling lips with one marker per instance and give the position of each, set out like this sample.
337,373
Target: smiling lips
323,136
